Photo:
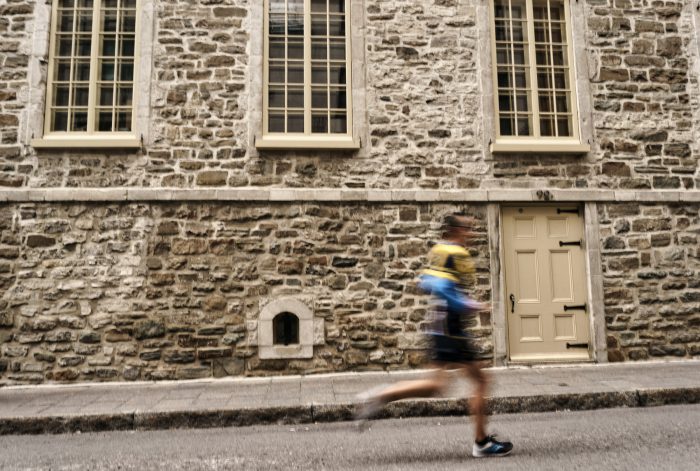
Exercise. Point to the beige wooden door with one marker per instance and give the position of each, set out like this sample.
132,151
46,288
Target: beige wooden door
545,283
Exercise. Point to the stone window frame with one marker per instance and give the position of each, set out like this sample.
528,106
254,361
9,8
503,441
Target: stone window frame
355,31
579,78
311,331
34,132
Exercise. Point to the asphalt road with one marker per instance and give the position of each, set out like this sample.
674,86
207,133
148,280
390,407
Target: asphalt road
631,439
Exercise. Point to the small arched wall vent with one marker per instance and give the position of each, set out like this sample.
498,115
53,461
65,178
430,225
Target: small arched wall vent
288,329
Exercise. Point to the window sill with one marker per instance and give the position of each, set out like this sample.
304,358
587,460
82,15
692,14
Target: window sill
92,141
304,142
512,146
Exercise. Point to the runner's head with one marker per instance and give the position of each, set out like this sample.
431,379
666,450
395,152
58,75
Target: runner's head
458,228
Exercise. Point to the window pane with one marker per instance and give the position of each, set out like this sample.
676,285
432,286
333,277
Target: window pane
106,95
128,22
507,125
319,49
319,5
85,21
84,45
337,6
107,71
85,3
505,102
543,78
295,122
128,3
276,23
336,25
65,46
275,97
125,96
79,122
319,75
127,46
337,50
319,26
564,126
562,103
319,123
547,125
126,71
339,123
502,30
524,126
65,21
319,98
295,50
276,122
295,25
504,78
522,78
560,76
277,73
61,95
62,70
110,3
109,21
523,102
545,101
82,71
105,121
295,73
276,48
337,74
80,96
295,98
108,45
124,121
338,99
59,121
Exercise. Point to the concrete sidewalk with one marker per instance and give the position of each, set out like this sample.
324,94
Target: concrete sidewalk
324,398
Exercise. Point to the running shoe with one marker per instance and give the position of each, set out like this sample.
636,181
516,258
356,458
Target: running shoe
371,405
492,447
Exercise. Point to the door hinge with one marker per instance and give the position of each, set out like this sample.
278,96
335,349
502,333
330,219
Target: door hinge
576,345
579,307
576,211
576,242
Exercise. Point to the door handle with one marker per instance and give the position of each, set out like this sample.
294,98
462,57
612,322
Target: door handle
512,303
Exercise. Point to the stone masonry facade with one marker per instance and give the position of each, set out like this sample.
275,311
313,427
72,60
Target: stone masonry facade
96,287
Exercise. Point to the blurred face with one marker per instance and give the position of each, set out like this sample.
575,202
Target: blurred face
462,233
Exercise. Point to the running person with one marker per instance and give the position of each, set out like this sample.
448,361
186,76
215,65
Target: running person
450,268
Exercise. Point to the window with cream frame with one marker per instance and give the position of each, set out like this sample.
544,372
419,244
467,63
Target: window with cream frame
307,81
534,77
92,70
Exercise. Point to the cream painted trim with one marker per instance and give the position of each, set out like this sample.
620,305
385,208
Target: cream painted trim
499,313
315,140
91,141
304,142
143,54
596,295
525,145
570,145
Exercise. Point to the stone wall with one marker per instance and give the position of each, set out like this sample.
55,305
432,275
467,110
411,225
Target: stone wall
161,291
651,269
426,68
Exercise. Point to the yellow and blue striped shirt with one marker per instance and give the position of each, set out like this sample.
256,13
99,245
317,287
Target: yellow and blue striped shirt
451,261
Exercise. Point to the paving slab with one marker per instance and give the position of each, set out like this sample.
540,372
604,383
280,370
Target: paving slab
332,397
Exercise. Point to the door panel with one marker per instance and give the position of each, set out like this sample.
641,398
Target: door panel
544,277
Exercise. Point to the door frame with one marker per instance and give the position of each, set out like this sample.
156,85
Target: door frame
593,274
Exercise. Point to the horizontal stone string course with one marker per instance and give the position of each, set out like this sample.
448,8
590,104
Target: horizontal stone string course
330,195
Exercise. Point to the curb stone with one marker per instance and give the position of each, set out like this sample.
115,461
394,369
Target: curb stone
341,412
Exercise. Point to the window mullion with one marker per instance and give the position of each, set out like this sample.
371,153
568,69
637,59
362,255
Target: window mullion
532,67
307,67
94,65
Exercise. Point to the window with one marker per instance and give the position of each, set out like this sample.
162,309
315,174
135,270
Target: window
306,91
534,77
91,74
286,329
